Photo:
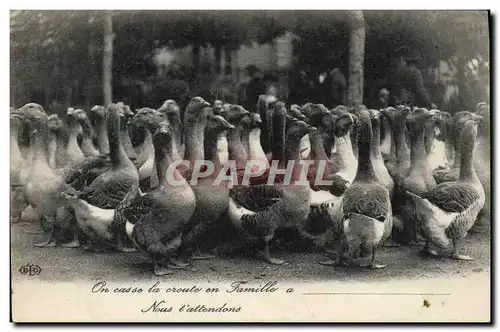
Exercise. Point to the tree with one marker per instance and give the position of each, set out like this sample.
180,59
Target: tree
356,58
107,59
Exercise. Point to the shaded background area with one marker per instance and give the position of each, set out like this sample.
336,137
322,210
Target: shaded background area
57,56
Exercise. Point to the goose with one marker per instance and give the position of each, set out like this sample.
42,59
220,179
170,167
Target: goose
278,154
237,116
43,184
212,196
325,198
172,111
265,133
98,116
58,142
316,114
156,220
17,164
194,125
104,194
366,214
376,154
451,174
88,147
73,150
448,211
434,146
482,162
126,114
251,140
343,159
387,146
258,210
146,119
419,178
397,118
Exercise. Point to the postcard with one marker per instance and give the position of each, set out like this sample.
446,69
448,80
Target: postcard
250,166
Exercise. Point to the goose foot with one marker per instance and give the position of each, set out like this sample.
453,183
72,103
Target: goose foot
176,264
38,231
267,255
329,262
457,256
426,252
462,257
374,266
201,256
93,248
127,250
47,244
389,243
159,270
416,243
73,244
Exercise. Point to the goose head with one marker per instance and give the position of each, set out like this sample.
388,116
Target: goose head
339,110
147,118
296,113
237,115
217,124
34,116
418,120
255,120
297,130
163,134
99,111
217,106
375,117
344,124
73,123
82,118
196,105
316,114
262,102
306,109
170,108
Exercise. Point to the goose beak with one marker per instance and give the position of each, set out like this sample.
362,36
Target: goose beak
228,126
206,103
476,117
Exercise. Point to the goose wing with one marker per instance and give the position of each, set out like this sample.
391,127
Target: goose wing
256,197
371,200
338,187
107,192
452,196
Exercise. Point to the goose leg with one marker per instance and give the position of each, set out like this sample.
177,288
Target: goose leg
119,243
40,230
176,265
372,264
427,252
198,255
50,242
160,270
456,255
75,243
267,255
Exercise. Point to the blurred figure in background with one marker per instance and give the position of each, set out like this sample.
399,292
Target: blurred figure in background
409,87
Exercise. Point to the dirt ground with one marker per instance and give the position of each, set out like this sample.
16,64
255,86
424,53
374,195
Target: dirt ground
65,264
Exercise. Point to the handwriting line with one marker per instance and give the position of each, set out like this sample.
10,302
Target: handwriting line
379,293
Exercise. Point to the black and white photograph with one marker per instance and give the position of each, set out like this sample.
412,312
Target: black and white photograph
250,166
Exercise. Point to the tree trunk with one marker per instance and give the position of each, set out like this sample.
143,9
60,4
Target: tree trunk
107,64
196,60
356,58
228,61
218,59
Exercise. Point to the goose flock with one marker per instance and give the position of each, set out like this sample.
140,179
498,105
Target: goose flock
162,180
